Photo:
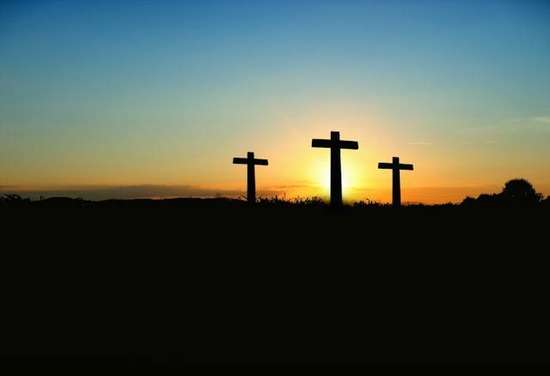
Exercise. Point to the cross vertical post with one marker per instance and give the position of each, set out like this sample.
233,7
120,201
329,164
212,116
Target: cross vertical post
335,170
396,183
250,179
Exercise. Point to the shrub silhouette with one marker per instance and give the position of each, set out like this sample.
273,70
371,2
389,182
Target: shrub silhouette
14,201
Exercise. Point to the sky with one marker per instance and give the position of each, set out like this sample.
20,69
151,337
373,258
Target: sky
154,98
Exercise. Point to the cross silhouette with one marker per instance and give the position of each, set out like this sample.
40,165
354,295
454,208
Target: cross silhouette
396,168
335,144
250,163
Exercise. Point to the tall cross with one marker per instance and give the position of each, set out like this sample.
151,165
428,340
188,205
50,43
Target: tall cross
250,163
335,144
396,168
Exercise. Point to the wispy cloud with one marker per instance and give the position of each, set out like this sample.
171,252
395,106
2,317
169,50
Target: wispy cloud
293,186
123,192
420,143
138,192
541,119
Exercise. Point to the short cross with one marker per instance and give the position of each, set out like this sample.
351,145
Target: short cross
396,168
250,163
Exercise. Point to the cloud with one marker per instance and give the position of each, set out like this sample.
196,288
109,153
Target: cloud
125,192
293,186
420,143
541,119
98,193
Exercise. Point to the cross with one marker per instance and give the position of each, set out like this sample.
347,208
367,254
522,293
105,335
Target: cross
396,168
251,175
335,144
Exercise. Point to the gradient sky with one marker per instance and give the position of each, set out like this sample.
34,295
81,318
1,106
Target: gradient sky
162,94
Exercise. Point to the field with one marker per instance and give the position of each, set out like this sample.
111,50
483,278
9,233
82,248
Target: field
188,282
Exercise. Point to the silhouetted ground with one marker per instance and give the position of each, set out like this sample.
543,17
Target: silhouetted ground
188,282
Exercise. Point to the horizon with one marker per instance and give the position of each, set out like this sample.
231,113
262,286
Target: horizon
118,98
418,195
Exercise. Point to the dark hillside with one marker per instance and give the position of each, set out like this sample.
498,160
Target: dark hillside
188,282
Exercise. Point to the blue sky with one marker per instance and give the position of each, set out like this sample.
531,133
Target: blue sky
166,92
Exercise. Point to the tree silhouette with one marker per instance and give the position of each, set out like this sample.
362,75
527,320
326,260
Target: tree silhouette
520,192
516,193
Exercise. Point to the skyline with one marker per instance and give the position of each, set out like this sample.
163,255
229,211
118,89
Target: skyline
162,95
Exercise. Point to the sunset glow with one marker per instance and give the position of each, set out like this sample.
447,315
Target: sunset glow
166,107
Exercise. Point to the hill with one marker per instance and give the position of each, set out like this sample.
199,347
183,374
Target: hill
190,282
